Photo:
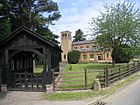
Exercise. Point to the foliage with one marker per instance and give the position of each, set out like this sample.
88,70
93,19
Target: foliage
73,56
119,25
79,35
45,31
124,55
74,95
4,28
137,51
34,14
1,5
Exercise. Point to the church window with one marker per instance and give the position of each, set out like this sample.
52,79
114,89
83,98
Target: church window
91,55
84,56
64,56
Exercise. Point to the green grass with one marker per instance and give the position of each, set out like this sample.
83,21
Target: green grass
80,68
73,95
91,94
38,69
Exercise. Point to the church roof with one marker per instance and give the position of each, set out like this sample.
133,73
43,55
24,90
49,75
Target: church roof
89,49
82,42
93,49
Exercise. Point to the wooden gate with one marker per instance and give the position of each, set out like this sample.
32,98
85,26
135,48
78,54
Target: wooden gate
27,81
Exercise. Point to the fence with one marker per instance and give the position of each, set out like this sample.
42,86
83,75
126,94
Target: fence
66,81
109,76
84,79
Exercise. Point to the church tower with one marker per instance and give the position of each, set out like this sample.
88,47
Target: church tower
66,44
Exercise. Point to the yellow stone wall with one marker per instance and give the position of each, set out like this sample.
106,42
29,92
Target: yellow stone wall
91,56
66,44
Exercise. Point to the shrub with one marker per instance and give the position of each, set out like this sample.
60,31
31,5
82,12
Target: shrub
124,55
73,56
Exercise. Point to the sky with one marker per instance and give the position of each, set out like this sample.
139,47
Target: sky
77,14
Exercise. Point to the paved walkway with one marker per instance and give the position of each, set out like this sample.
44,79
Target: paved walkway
129,95
36,98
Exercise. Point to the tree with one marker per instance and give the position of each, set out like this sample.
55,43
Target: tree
124,55
79,35
73,56
44,31
1,5
34,14
118,26
4,28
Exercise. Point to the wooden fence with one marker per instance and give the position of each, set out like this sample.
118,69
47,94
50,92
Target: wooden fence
84,79
66,81
109,76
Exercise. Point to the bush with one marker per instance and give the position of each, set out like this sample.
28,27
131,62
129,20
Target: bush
124,55
73,56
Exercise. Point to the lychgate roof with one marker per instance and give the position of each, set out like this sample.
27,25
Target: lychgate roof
32,33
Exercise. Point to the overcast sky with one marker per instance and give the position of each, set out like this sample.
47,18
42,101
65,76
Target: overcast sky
77,14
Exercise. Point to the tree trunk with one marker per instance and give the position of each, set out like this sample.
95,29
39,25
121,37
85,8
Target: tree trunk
113,62
114,52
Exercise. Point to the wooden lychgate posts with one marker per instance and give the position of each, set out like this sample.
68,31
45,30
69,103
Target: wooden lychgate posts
53,79
18,53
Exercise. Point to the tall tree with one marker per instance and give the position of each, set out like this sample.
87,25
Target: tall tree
79,35
5,28
118,26
45,31
1,5
34,14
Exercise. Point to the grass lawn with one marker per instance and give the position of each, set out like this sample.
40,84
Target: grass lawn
38,69
77,81
74,95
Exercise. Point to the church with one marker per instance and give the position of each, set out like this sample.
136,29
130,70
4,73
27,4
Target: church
89,52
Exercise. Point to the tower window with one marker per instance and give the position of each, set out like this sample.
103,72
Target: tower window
107,55
64,56
63,35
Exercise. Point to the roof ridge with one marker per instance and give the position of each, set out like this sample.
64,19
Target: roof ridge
21,28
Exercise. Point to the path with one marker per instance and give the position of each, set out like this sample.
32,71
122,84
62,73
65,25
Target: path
36,98
127,96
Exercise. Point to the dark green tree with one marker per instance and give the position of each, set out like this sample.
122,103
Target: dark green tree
79,35
73,56
118,26
45,31
5,28
1,5
34,14
124,54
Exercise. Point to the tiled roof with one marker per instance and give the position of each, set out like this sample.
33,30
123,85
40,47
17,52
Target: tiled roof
82,42
92,49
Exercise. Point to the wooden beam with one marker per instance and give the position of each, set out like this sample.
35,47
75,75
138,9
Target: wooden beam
49,66
7,70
